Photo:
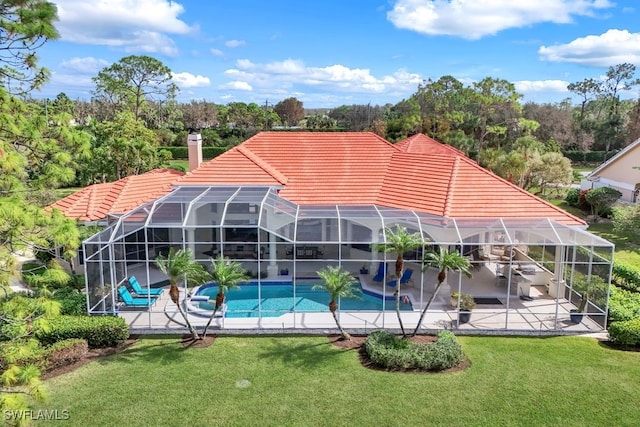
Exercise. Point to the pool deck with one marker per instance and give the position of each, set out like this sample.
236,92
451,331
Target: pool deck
511,316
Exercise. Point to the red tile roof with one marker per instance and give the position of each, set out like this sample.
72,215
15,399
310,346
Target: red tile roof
350,168
326,168
94,202
422,144
315,167
457,187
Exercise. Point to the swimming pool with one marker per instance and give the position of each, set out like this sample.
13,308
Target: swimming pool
277,298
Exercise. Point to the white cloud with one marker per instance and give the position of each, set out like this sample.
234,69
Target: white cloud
217,52
529,86
86,65
234,43
610,48
474,19
134,25
285,74
186,80
237,85
69,81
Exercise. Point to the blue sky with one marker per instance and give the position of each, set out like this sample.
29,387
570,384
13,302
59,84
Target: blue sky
328,53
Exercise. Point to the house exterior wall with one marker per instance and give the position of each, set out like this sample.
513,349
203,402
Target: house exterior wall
621,174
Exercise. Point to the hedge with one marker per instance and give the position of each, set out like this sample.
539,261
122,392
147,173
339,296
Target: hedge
626,277
623,304
589,156
625,333
183,152
391,352
72,302
99,331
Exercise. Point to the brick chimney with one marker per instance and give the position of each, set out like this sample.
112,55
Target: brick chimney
194,143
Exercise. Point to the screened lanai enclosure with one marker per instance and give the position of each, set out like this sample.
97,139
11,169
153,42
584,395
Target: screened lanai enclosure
525,272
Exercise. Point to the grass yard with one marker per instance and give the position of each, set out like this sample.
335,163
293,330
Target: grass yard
627,250
179,164
293,381
564,205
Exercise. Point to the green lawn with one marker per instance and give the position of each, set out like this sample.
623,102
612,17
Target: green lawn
178,164
568,381
627,249
564,205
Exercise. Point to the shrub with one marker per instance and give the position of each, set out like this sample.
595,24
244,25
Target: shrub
626,277
72,302
66,352
582,200
102,331
623,304
573,197
625,333
626,219
601,199
386,350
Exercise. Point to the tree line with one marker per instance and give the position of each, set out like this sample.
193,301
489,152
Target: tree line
133,113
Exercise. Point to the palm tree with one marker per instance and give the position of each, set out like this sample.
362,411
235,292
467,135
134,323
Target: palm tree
443,260
228,275
181,265
339,283
400,241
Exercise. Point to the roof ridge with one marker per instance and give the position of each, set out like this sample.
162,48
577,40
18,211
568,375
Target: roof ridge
93,194
385,141
121,185
450,186
265,166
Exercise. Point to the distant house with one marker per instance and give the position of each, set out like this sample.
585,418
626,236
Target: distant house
621,172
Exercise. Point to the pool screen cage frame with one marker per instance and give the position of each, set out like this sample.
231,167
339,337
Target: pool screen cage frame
275,238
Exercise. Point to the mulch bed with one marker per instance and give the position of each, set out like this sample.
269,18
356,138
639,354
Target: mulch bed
188,342
92,354
357,344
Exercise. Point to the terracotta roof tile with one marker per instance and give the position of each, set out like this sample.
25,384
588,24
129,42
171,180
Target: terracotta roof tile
350,168
94,202
236,166
422,144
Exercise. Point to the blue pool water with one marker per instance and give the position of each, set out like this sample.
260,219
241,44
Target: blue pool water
277,298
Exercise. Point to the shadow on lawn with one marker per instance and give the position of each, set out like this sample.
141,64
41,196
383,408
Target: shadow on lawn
163,350
303,355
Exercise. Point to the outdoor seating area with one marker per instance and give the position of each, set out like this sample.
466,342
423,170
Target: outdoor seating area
130,301
137,289
406,278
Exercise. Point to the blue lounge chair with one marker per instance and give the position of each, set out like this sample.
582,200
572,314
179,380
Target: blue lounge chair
130,301
156,292
406,277
381,274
